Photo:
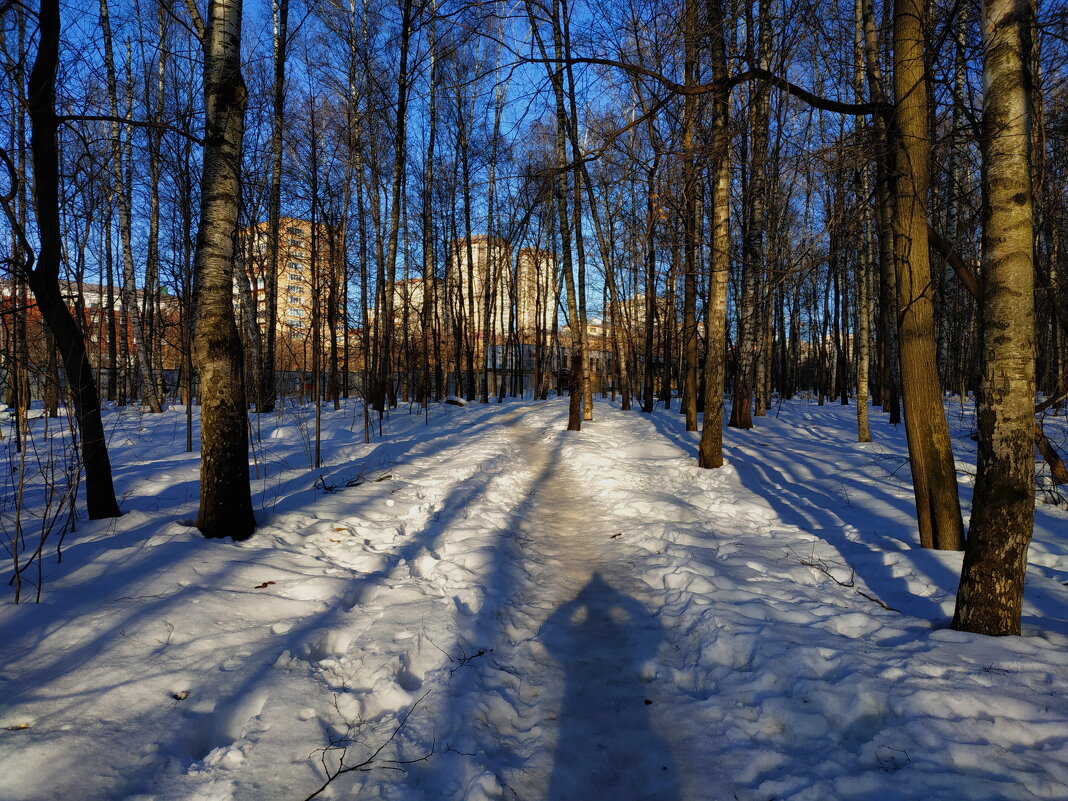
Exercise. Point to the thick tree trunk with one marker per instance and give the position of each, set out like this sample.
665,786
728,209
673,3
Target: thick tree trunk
990,596
225,497
43,280
934,475
710,452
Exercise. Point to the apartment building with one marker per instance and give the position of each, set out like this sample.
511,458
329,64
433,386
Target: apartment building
311,270
489,278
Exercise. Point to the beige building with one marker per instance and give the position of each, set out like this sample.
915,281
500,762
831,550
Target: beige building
492,278
410,296
537,292
302,277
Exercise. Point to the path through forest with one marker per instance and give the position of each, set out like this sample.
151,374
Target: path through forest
581,604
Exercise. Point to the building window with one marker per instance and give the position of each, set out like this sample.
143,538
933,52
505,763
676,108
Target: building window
294,276
296,243
294,230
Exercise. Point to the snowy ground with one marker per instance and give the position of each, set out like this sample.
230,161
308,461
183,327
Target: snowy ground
498,609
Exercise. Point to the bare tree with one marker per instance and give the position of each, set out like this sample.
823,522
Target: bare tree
990,595
43,277
225,496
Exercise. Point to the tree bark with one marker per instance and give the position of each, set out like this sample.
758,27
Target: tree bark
710,451
934,475
689,220
43,279
225,497
990,596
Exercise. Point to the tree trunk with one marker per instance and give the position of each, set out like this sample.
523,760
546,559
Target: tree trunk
128,288
43,280
556,76
754,223
689,221
863,270
400,154
990,596
225,497
267,390
710,453
934,475
648,396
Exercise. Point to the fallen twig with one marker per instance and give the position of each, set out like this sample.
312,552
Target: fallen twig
821,566
371,762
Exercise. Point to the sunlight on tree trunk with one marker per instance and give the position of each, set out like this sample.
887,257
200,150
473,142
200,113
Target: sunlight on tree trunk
990,596
225,497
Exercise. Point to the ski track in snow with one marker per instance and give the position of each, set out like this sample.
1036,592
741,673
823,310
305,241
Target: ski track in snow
499,609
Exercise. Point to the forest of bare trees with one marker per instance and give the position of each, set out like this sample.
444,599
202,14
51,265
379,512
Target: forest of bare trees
677,203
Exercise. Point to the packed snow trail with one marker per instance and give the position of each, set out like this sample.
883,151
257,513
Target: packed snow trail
481,606
581,635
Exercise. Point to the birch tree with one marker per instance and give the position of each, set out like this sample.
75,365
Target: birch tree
225,496
990,596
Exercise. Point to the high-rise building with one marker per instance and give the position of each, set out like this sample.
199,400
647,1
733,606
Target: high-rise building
484,279
304,277
537,292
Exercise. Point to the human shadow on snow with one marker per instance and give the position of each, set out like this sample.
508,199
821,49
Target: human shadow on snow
607,746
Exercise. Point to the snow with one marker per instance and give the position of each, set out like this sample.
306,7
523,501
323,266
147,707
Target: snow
480,605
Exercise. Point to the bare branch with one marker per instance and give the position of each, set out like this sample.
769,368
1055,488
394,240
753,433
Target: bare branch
6,201
965,273
159,126
370,763
198,22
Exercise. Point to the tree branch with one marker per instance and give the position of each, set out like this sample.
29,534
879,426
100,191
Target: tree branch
822,103
198,22
12,217
160,126
965,273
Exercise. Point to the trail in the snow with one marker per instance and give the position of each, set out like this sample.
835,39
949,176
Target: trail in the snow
584,637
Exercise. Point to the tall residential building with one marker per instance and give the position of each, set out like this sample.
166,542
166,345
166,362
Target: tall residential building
488,280
478,279
537,292
409,301
298,286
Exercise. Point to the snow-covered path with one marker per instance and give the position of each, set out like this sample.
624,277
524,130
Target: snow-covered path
484,607
580,633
